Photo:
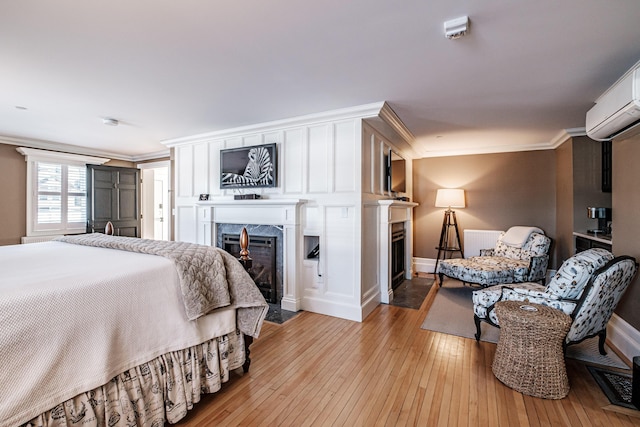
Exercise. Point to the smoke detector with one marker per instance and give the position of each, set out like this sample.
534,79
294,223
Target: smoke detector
456,28
110,122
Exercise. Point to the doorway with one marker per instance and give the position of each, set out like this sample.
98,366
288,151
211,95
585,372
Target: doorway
155,200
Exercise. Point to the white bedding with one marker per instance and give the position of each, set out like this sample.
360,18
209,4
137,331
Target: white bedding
72,317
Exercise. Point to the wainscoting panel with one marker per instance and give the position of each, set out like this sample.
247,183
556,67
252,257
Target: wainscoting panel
292,158
318,159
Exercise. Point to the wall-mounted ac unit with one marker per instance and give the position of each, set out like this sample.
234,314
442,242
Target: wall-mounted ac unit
617,111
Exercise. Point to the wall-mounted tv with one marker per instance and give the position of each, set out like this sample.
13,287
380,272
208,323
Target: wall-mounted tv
248,167
396,173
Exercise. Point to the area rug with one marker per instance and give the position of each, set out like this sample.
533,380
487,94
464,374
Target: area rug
452,313
615,385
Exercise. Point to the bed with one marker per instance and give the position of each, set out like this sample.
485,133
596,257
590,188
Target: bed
103,330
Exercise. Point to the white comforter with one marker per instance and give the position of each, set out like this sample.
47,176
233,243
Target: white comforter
72,317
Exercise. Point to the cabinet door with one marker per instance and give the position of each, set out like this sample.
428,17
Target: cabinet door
113,195
582,244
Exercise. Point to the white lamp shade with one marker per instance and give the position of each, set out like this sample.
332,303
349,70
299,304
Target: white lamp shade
450,198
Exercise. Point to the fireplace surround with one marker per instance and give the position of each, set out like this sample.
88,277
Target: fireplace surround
265,249
267,217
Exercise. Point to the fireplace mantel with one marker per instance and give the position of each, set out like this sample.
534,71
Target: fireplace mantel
280,212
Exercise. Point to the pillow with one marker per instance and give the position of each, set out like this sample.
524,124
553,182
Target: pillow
574,273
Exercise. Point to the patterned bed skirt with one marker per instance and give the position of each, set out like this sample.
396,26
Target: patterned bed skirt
163,389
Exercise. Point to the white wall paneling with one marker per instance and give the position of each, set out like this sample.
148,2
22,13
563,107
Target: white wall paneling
291,156
186,224
184,172
331,174
318,174
346,167
200,169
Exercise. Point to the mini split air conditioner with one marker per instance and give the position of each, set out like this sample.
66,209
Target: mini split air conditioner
617,111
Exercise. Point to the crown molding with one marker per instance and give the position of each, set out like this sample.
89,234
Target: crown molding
158,155
358,112
391,118
38,154
75,149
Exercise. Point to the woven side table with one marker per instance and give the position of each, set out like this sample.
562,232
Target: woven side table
529,357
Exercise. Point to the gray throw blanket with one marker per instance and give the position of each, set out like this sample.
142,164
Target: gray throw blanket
210,277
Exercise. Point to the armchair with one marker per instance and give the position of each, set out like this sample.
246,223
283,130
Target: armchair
588,287
513,260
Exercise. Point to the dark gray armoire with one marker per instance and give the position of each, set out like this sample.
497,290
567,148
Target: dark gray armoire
113,194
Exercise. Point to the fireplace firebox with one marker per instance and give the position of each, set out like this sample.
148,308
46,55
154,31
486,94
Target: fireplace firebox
397,254
263,270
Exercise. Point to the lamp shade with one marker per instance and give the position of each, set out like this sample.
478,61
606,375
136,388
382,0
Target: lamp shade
450,198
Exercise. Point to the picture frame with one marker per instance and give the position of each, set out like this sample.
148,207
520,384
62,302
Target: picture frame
204,197
249,167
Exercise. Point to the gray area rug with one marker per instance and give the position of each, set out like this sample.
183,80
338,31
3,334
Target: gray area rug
452,313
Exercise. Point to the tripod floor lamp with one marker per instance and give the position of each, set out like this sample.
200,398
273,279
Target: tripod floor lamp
449,236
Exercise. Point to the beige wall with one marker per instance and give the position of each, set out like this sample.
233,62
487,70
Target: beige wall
564,246
501,190
13,193
626,218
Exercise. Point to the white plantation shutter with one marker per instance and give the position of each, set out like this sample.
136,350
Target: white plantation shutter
56,191
61,197
49,193
76,194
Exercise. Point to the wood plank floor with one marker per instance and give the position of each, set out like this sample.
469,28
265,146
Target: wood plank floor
317,370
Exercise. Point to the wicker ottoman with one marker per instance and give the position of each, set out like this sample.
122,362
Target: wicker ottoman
529,357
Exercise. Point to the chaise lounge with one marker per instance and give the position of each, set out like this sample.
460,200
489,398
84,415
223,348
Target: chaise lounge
521,255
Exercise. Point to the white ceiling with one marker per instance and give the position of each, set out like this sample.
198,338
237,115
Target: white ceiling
526,71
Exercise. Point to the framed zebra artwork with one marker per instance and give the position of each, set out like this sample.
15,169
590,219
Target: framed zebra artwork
248,167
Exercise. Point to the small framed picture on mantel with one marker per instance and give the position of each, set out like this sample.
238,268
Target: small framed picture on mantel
204,197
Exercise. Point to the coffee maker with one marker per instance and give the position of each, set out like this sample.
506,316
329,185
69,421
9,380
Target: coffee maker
603,215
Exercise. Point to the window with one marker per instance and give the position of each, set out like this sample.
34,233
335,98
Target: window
56,192
61,197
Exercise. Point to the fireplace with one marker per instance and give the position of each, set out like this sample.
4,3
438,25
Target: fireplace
265,250
397,254
263,268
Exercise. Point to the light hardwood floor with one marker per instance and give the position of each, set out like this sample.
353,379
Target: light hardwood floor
317,370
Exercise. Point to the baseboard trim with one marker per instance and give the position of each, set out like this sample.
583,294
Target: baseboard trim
424,265
624,337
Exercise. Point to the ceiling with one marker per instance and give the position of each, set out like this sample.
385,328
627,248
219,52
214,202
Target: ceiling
526,72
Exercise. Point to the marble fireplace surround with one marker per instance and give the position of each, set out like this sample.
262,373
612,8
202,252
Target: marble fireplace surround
284,214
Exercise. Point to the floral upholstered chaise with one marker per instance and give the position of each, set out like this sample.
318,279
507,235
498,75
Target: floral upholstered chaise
587,287
521,255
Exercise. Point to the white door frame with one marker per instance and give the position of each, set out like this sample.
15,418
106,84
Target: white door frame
148,195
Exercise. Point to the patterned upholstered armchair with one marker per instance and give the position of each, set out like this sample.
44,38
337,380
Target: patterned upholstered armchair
513,260
588,287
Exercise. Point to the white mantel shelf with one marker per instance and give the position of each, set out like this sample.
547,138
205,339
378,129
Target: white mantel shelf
261,202
397,203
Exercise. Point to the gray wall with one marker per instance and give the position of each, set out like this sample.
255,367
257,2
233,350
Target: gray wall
501,190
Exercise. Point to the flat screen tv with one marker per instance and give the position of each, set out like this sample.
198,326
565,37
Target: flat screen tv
248,167
396,173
